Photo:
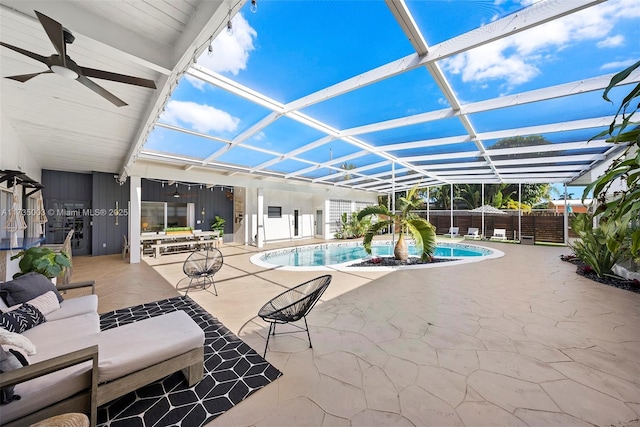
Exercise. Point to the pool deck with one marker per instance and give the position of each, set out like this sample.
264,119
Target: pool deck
517,340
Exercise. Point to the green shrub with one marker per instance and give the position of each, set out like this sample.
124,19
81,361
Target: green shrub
218,225
352,227
602,247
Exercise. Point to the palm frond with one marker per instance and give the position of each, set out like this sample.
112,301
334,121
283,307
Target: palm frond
374,210
372,231
424,236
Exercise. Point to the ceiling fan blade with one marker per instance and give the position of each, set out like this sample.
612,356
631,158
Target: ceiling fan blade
56,34
101,91
32,55
24,77
115,77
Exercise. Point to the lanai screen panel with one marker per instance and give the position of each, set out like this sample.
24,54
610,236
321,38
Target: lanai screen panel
304,88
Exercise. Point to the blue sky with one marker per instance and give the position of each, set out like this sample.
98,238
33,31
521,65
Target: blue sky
290,49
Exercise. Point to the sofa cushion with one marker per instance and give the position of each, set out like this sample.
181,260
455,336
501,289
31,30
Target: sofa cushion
75,306
15,340
21,319
55,338
51,337
46,390
25,288
141,344
45,303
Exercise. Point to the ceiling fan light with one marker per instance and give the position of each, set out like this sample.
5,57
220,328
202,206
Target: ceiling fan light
64,72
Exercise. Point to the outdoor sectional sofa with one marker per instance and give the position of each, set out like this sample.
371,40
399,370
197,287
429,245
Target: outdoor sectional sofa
77,368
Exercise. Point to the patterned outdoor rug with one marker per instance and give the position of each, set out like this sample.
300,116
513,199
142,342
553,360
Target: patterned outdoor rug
232,371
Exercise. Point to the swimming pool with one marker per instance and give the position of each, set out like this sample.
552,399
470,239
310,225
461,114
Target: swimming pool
341,255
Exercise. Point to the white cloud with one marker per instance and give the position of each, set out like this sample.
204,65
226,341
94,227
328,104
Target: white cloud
618,65
613,41
195,82
491,62
516,59
230,53
201,118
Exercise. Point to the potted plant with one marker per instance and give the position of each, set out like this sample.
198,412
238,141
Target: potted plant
42,260
218,225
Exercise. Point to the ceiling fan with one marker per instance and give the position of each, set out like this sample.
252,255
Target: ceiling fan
63,65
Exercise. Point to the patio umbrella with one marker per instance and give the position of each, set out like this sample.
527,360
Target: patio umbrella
488,209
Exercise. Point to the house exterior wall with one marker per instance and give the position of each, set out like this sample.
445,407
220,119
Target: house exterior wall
307,204
576,206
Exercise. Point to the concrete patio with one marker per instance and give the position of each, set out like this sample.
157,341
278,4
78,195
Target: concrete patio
519,340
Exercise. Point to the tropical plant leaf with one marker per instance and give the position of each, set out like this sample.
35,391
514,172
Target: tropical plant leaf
379,210
635,243
424,236
62,259
618,78
372,231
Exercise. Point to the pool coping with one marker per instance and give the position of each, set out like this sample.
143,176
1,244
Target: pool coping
346,266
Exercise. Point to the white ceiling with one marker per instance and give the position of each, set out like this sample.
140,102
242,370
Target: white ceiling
67,126
70,128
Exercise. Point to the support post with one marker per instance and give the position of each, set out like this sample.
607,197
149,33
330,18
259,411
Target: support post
451,211
393,202
260,237
482,204
135,213
566,217
520,212
428,204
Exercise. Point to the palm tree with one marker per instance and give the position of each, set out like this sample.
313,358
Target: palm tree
347,166
422,231
470,193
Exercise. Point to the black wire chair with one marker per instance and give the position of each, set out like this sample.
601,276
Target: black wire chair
200,267
293,305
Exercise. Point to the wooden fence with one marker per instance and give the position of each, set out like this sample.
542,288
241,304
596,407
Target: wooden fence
542,226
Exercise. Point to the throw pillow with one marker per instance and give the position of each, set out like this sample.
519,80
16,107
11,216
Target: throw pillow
21,319
25,288
45,303
20,353
9,361
16,340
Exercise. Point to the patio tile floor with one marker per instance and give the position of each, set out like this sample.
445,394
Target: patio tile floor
519,340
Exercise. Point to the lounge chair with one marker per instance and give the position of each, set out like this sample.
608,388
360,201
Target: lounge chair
293,305
453,232
472,233
499,234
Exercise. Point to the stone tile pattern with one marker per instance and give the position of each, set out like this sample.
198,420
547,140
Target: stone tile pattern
498,345
232,372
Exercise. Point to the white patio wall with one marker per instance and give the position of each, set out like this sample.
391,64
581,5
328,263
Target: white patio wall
307,204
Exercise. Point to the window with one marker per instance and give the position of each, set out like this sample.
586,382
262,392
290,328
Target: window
362,205
153,216
274,212
336,209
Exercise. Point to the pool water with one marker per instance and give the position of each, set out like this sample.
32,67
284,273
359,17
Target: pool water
321,255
